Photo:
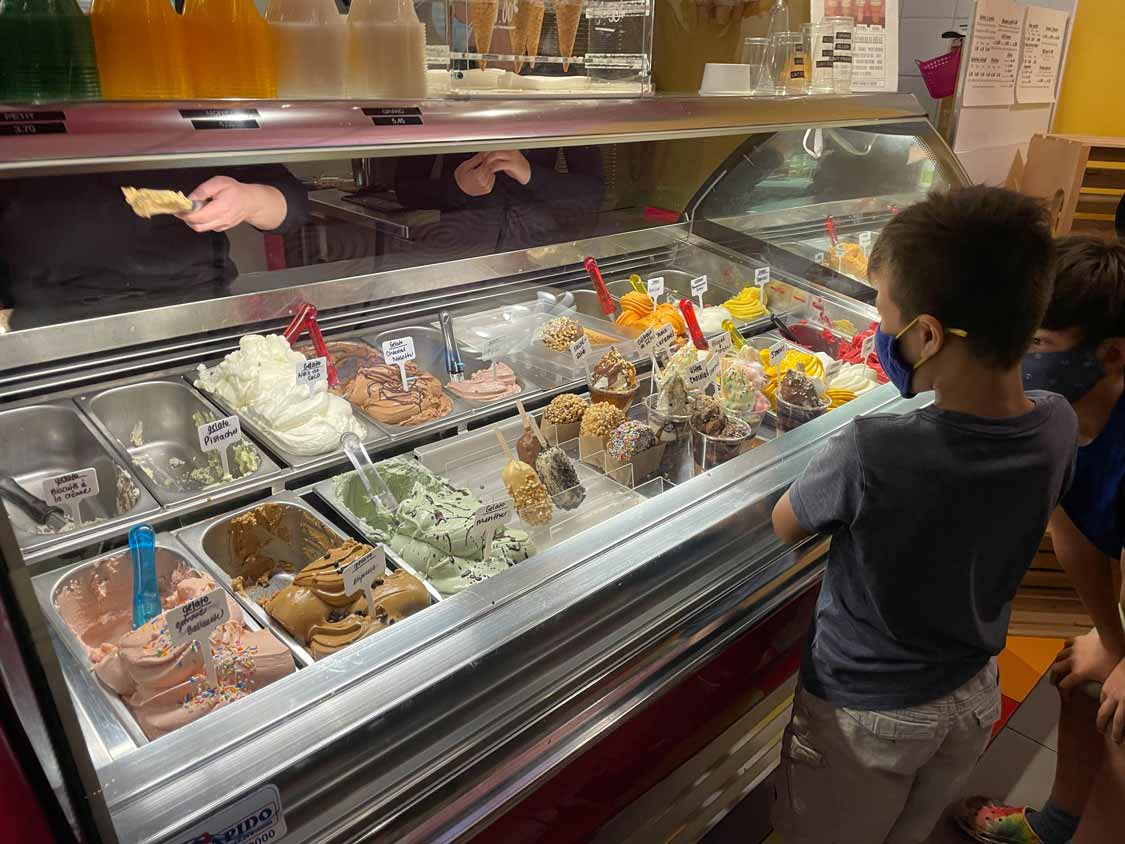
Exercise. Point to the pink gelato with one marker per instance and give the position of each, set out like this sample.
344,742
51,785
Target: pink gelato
485,385
165,687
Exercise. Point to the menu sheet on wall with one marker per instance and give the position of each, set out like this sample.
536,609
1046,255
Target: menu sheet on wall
874,54
990,79
1044,31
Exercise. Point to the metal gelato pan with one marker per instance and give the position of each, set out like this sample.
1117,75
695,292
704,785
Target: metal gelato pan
155,426
101,711
43,441
263,547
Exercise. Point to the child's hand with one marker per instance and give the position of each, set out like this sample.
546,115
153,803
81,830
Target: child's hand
1111,713
1083,660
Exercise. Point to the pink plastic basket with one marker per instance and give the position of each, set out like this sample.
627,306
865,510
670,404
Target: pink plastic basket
940,74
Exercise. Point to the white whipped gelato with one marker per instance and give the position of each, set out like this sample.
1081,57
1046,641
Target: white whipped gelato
711,319
856,377
260,381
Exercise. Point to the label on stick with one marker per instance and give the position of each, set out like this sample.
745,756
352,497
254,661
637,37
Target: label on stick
580,349
762,276
777,352
311,371
646,340
699,375
655,286
665,337
865,241
490,520
359,576
71,487
721,343
867,348
398,350
219,434
195,621
699,286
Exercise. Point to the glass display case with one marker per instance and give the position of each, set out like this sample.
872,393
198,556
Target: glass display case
586,351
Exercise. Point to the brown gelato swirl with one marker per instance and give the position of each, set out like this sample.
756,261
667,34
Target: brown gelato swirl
377,391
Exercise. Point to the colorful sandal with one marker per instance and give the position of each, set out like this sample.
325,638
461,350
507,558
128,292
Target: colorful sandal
989,822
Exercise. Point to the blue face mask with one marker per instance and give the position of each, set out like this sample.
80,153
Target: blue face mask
899,372
1071,374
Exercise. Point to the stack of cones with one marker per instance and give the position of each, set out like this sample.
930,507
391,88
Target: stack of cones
529,26
482,20
568,14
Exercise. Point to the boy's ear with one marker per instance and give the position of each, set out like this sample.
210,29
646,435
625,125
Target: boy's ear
1112,354
933,334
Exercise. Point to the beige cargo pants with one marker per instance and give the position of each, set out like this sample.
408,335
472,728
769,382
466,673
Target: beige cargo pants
856,777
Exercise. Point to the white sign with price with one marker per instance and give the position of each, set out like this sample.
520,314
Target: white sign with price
777,352
217,435
69,489
580,350
397,352
195,621
490,520
360,575
762,277
312,371
655,287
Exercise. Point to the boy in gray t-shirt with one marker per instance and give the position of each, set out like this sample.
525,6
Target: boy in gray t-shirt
935,516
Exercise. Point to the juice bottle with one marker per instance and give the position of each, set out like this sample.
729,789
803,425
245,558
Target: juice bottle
386,50
140,50
229,49
311,38
46,51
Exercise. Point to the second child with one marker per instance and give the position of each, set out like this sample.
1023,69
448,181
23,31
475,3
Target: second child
935,516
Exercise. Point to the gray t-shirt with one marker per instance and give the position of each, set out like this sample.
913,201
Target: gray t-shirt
934,517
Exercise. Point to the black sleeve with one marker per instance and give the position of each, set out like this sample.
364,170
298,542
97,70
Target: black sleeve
277,176
581,187
416,186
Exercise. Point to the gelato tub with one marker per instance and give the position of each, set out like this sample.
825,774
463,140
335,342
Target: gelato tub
43,441
152,687
262,551
156,425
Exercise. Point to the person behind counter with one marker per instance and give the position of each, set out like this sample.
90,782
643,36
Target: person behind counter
502,201
935,516
71,248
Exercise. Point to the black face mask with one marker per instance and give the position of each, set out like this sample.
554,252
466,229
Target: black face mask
1071,374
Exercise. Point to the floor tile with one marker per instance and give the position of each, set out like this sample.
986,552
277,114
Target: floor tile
1015,770
1008,708
1038,716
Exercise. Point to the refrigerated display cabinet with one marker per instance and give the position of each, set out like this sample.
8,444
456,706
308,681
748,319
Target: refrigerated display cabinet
644,654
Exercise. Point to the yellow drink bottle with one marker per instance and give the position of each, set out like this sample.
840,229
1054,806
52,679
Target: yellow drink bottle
140,50
230,50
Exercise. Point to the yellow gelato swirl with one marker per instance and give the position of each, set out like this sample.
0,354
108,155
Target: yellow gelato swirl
747,305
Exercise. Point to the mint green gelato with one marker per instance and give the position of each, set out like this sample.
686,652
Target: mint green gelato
432,528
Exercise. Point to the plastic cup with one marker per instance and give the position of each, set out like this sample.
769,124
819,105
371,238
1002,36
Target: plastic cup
725,79
790,416
674,432
711,451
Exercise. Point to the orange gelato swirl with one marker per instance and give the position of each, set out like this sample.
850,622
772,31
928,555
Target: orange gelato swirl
640,312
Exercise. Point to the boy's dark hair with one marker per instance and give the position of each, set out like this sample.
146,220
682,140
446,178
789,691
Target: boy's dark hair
1089,288
976,258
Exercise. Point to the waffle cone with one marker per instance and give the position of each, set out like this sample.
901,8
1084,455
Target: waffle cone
482,19
534,29
567,17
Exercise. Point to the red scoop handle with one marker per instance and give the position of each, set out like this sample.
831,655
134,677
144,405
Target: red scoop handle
322,348
599,286
298,324
697,338
830,227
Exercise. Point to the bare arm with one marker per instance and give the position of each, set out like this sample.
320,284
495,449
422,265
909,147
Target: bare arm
1091,573
785,523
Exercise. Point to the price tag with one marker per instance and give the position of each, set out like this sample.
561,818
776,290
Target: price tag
397,352
68,490
762,277
655,287
865,241
580,350
665,337
311,371
867,348
217,435
395,116
721,343
832,370
221,118
777,352
698,375
646,340
699,287
360,575
490,520
195,621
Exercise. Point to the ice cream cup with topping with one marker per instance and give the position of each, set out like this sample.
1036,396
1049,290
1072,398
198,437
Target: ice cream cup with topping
790,416
710,450
674,432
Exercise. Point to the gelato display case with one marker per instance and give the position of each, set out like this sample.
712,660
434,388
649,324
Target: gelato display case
438,510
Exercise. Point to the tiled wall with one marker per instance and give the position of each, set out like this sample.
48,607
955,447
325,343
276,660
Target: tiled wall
921,24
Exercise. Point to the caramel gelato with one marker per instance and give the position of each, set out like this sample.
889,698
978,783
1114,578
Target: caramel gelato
377,391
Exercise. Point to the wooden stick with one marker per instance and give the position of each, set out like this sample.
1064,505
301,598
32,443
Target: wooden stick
504,444
529,421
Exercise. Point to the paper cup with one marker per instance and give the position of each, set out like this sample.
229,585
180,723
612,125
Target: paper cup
725,79
646,465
